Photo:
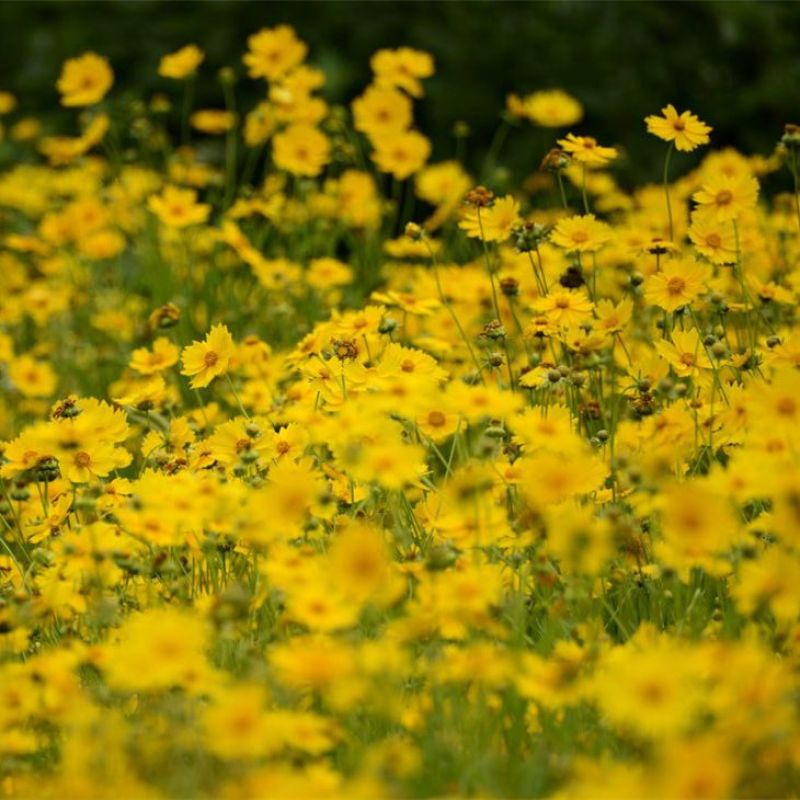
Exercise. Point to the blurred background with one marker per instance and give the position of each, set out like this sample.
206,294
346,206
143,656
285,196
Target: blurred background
736,64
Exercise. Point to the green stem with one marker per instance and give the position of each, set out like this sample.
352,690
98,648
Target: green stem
666,190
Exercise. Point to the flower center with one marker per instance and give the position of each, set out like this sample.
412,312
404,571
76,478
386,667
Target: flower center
713,240
724,197
210,358
436,419
676,285
82,459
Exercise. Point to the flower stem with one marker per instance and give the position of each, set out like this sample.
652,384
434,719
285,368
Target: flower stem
666,190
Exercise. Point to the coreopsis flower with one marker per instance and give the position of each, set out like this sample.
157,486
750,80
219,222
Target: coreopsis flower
273,52
698,525
494,223
613,318
259,124
206,360
178,208
381,110
213,121
301,149
586,150
403,68
85,80
684,129
401,154
31,377
565,308
581,234
724,198
7,102
443,183
686,353
712,239
679,282
182,63
551,108
148,362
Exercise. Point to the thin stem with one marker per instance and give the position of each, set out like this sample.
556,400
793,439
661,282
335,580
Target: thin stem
666,190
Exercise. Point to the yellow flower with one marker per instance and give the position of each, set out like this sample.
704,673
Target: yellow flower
725,197
581,234
493,223
715,240
7,102
32,378
301,149
178,208
678,283
685,129
403,68
85,80
401,154
382,109
204,361
182,63
259,124
213,121
273,52
565,308
163,355
685,353
586,150
551,108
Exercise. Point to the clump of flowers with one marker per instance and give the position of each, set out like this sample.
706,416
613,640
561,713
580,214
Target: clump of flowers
328,471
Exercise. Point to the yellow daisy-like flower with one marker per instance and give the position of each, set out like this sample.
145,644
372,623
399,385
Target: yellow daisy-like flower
566,308
715,240
178,208
552,108
686,130
586,150
581,234
182,63
493,224
678,284
301,149
403,68
85,80
401,154
725,197
206,360
273,52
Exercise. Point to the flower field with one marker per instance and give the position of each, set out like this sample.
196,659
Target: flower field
335,466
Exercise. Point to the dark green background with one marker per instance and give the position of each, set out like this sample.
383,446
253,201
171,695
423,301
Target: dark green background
737,64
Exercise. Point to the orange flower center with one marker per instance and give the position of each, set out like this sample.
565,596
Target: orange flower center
676,285
787,407
724,197
436,419
580,236
714,240
210,358
82,459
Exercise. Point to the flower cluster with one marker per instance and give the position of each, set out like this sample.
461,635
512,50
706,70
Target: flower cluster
329,469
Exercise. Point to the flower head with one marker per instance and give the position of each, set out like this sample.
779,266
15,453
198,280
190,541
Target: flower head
204,361
684,129
85,80
182,63
581,234
586,150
